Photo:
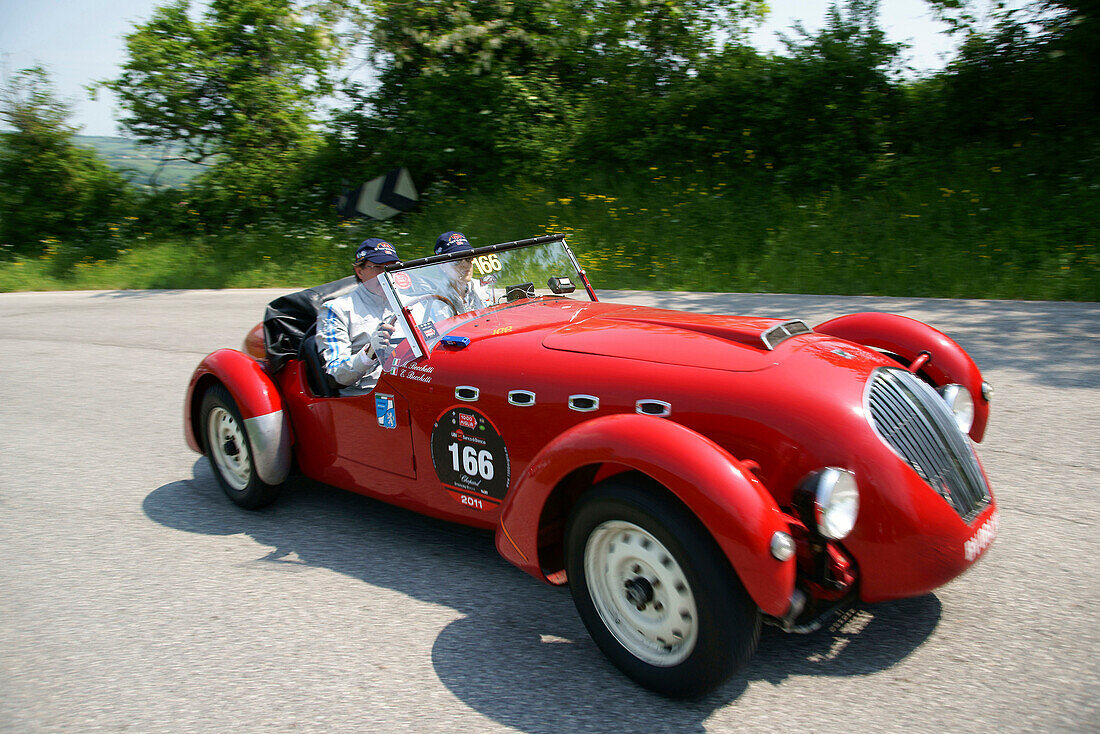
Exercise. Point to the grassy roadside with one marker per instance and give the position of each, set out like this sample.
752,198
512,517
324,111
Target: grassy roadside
982,232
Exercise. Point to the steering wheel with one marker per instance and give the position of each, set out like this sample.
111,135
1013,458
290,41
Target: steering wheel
455,310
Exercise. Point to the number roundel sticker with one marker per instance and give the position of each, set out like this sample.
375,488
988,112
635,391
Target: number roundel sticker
470,458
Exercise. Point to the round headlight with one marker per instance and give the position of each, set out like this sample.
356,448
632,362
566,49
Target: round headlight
829,501
961,403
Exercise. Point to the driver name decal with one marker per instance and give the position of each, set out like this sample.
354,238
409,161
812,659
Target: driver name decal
470,458
420,373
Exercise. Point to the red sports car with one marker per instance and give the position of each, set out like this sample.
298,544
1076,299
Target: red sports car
688,476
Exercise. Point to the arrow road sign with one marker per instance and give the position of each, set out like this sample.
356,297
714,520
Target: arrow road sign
382,197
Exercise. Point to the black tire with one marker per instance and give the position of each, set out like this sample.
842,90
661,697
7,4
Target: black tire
718,623
225,439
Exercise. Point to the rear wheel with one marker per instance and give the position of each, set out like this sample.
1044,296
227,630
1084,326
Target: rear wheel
655,591
230,451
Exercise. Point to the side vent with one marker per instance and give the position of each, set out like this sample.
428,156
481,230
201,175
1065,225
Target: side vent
467,393
659,408
522,398
584,403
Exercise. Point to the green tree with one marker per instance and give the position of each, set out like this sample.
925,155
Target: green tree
51,191
838,91
587,41
496,85
1032,75
236,88
817,116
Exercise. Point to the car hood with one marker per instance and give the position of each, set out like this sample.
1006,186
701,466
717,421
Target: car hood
730,343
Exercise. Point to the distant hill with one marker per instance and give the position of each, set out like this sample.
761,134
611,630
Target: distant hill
138,162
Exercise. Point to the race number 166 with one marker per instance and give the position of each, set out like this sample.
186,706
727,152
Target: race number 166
473,462
487,264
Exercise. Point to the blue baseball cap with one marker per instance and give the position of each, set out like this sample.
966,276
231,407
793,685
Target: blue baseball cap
376,251
449,242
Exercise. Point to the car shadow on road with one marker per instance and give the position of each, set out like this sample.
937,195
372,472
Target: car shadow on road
520,654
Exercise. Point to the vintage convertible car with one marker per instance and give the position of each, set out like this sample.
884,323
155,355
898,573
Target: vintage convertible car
688,476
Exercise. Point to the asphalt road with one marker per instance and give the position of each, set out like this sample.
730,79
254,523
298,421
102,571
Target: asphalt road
134,596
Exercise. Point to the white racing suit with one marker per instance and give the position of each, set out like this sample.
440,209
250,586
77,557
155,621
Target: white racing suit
344,329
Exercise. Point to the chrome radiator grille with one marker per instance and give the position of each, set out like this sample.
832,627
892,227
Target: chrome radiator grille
915,421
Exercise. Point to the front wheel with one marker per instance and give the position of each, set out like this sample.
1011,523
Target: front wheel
230,451
655,591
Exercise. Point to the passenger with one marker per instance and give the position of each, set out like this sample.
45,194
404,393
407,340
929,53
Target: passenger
354,332
459,286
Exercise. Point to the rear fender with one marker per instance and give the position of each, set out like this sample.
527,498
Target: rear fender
259,402
727,499
907,338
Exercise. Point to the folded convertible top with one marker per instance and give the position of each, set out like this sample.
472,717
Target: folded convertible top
289,318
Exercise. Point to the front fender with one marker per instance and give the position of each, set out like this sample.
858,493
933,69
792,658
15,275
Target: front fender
907,338
730,501
259,402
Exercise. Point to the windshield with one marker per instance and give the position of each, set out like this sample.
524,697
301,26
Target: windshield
447,291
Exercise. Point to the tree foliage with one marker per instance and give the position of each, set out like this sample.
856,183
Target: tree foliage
839,92
506,87
503,86
587,41
1029,84
818,115
236,88
51,191
247,75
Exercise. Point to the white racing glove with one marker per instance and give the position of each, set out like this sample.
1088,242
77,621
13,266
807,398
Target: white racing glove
381,342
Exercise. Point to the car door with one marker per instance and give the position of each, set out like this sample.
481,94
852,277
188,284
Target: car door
374,431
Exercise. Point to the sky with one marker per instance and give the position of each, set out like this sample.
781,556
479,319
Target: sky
81,41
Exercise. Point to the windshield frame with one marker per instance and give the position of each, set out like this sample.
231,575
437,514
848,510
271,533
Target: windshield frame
408,329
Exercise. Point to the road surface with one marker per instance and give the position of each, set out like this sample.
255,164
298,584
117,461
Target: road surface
135,597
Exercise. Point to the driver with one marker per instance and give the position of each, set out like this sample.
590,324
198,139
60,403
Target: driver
354,332
458,284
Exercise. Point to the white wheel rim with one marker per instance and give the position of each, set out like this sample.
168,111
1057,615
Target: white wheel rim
641,593
228,447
